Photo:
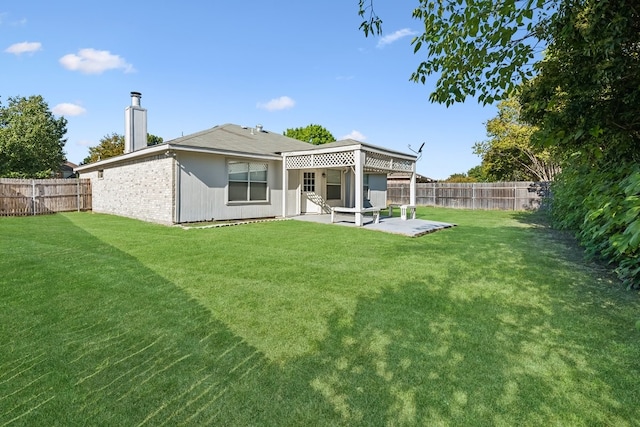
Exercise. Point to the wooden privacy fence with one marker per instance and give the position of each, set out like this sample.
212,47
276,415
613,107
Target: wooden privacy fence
42,196
476,195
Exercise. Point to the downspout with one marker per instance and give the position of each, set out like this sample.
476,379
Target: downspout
176,188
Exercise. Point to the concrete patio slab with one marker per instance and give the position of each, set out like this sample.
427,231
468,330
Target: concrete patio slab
395,225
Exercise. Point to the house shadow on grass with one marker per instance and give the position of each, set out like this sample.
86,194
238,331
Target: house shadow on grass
92,337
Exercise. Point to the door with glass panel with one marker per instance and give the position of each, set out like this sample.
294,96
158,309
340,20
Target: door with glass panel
309,196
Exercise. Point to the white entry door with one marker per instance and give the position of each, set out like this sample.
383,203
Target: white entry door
309,200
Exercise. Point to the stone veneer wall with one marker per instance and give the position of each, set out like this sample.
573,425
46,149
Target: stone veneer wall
141,189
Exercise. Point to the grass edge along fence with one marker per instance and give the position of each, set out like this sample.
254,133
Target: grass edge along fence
21,197
516,196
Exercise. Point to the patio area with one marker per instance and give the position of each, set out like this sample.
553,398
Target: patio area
394,225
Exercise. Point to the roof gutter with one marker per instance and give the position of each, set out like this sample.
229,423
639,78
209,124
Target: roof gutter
168,148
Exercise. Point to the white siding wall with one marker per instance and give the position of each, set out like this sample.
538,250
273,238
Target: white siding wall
202,187
141,189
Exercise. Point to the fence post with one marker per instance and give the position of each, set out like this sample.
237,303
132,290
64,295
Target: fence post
33,197
473,196
435,200
515,196
78,194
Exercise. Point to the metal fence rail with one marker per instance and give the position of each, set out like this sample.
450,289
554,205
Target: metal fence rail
477,195
19,197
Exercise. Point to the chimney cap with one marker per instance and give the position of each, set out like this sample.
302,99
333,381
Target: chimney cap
136,94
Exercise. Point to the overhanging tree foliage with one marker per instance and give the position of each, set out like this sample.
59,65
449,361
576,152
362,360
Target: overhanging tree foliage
586,97
313,134
31,138
475,48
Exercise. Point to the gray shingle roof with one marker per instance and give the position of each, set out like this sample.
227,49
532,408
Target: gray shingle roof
230,137
239,139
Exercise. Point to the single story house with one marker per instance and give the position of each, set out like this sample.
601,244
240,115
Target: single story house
235,172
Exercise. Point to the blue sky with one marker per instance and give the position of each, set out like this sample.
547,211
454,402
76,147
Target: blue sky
282,64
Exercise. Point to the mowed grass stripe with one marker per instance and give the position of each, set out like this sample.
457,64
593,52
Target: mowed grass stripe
21,383
104,333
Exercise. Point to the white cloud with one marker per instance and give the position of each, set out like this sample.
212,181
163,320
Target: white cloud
66,109
24,47
394,37
91,61
282,103
355,135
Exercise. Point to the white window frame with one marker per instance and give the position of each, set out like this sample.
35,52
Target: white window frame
257,166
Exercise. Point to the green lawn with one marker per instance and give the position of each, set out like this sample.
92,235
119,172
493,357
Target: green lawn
498,321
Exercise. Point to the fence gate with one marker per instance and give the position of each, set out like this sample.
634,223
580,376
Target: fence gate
19,197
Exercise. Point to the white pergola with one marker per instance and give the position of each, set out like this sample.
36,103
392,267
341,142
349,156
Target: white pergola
361,158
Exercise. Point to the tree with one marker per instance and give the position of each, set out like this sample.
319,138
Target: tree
109,146
314,134
482,48
154,140
460,177
477,174
585,97
510,154
31,138
113,145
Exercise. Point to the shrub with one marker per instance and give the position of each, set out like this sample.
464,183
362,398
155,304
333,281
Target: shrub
603,207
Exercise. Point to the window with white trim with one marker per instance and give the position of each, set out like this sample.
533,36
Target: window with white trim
334,184
247,181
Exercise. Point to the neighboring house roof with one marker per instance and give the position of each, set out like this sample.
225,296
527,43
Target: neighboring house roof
68,165
66,170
